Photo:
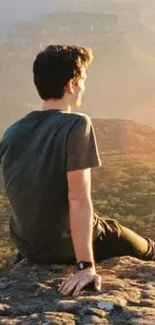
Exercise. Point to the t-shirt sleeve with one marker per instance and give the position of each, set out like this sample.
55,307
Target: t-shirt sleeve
82,150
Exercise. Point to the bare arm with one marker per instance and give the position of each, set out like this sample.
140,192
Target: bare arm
82,154
81,213
81,221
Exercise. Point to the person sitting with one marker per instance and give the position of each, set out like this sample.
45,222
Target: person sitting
46,159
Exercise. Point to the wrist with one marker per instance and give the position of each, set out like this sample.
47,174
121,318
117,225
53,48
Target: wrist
82,265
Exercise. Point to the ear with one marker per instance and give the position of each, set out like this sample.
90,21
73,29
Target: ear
70,87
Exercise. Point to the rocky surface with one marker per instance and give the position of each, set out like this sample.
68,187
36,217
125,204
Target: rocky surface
28,295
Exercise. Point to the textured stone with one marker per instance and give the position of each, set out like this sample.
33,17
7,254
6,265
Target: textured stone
29,295
40,319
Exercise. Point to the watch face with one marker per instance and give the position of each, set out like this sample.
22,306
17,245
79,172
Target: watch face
81,266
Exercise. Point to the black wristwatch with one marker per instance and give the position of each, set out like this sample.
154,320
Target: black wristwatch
82,265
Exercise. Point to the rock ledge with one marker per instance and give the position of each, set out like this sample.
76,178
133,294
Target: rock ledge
28,295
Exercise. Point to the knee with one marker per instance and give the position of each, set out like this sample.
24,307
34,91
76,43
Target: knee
113,226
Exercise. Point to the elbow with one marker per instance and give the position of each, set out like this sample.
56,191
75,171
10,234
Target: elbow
81,199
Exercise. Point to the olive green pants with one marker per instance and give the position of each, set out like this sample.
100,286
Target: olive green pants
117,240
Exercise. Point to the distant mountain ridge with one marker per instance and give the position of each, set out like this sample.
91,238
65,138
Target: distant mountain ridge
124,136
121,80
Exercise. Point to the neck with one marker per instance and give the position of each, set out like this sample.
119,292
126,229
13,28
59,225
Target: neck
56,104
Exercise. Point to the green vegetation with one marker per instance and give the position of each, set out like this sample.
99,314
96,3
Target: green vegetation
123,188
7,250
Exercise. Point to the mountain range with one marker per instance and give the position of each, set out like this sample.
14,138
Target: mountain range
117,136
121,80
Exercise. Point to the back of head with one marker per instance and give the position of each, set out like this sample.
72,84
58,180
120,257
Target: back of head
56,65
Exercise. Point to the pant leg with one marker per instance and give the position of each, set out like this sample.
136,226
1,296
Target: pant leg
117,240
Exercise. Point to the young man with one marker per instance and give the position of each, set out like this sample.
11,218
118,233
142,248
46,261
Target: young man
46,161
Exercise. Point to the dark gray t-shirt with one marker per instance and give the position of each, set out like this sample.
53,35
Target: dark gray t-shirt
36,153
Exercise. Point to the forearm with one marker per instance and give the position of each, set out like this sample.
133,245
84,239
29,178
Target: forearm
81,223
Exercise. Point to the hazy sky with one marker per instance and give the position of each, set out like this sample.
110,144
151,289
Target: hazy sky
12,12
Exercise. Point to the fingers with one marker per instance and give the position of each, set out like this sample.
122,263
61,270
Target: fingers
98,282
81,284
67,286
62,285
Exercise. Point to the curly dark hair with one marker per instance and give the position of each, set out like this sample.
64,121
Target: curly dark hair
56,65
